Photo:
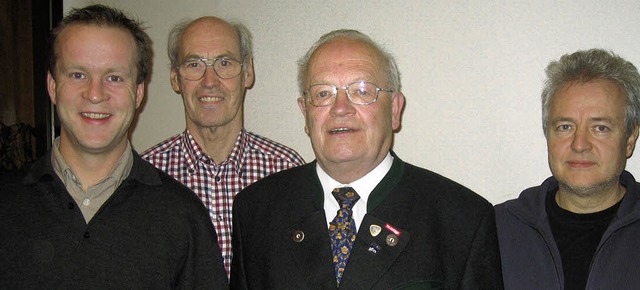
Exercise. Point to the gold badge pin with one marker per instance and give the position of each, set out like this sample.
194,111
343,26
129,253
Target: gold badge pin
392,240
375,230
298,236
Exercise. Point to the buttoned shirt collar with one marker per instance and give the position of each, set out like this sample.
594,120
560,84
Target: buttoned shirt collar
196,155
119,172
253,157
91,200
363,186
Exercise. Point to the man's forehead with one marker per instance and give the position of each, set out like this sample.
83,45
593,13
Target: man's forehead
82,37
211,31
72,30
342,47
344,54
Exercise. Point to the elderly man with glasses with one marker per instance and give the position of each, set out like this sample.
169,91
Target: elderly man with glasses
359,217
212,67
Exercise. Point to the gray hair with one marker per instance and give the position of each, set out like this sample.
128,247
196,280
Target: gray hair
176,33
390,65
586,65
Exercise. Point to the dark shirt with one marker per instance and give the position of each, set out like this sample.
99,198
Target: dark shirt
577,237
153,233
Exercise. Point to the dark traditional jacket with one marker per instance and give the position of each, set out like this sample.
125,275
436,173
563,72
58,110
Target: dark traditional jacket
530,256
152,233
447,236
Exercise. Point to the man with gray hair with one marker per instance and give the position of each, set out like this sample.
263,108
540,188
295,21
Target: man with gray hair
215,156
580,228
359,217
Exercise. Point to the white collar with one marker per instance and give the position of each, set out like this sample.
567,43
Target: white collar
363,186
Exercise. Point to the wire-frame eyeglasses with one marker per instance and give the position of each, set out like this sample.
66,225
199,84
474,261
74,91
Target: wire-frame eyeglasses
360,93
194,69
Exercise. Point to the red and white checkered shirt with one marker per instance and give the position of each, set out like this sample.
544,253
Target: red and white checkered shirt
252,158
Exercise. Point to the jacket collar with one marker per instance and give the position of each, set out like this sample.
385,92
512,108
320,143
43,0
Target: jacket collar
530,205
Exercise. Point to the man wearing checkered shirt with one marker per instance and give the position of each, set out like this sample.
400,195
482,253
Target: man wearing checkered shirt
212,67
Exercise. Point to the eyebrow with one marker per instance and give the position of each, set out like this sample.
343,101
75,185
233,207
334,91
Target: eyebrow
353,81
198,56
192,57
573,120
601,119
108,70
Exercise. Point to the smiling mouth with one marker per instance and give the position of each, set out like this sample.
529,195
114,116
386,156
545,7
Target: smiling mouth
210,99
340,130
95,116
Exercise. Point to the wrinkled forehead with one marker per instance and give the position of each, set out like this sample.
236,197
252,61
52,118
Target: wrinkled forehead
210,36
346,55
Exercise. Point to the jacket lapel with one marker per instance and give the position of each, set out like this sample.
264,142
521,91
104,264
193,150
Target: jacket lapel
378,244
311,250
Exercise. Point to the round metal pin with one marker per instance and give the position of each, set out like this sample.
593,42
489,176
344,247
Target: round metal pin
392,240
298,236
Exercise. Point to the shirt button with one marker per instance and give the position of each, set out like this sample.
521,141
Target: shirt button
86,202
217,178
219,218
86,235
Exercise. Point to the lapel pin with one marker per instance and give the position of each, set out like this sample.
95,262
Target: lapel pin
392,240
392,229
374,248
298,236
375,230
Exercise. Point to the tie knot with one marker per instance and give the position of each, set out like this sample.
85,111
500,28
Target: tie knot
346,196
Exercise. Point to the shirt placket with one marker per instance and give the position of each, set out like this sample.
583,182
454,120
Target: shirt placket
220,209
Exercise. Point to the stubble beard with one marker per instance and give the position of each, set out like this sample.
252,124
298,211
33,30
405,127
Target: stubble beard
588,191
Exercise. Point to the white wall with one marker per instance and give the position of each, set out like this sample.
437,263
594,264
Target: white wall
472,73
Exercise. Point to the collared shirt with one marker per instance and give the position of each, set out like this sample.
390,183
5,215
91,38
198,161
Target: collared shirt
252,158
91,200
363,186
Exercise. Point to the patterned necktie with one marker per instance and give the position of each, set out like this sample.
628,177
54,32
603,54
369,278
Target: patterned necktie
342,229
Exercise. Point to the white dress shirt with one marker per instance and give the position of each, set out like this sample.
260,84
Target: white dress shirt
362,186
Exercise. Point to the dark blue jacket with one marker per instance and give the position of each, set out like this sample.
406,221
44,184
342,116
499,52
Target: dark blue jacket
531,259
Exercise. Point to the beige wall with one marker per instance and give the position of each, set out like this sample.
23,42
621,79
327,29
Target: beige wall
472,73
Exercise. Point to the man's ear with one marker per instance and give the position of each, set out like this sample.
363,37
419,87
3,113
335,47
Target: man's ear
302,104
249,76
631,142
397,104
51,87
175,80
139,94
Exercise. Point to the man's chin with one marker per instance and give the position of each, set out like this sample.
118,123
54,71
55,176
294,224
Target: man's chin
586,188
